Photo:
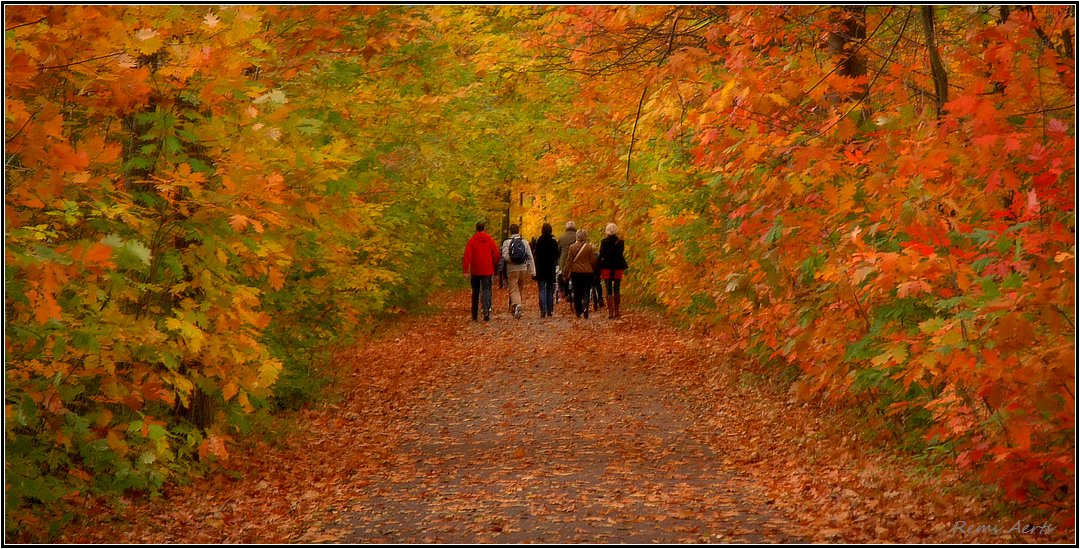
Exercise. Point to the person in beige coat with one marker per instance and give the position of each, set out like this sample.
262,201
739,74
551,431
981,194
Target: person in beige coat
580,264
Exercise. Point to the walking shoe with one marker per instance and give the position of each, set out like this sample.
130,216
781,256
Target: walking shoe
517,311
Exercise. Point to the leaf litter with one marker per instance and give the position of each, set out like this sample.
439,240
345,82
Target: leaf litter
555,430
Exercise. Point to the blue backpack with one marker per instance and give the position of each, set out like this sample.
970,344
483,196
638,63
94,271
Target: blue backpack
518,253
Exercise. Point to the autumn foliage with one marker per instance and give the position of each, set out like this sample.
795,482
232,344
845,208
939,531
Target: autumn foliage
200,201
197,203
895,220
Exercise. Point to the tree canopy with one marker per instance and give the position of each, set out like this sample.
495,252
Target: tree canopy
201,200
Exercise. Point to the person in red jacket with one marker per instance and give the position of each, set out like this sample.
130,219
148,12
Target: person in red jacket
481,257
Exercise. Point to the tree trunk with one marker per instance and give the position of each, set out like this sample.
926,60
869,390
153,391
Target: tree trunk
937,68
507,203
844,44
199,411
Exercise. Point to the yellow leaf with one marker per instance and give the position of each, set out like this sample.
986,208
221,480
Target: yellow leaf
229,390
268,373
147,41
778,99
184,387
724,102
753,152
796,185
114,440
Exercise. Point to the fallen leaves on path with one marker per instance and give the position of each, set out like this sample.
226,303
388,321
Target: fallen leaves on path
555,431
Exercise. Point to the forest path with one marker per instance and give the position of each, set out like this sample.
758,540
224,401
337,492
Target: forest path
558,430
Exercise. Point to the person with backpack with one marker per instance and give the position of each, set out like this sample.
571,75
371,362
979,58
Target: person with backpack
579,263
546,254
612,262
481,257
565,241
520,266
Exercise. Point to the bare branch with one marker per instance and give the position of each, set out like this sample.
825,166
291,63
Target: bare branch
73,63
28,23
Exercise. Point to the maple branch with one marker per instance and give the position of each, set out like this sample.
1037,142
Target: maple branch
637,48
1068,390
28,23
1046,41
1051,504
23,127
1066,315
72,64
914,70
1044,111
879,72
866,317
8,166
854,51
289,27
771,121
641,101
629,51
633,133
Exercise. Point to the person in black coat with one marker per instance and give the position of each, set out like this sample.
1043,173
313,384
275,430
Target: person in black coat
546,255
598,288
612,263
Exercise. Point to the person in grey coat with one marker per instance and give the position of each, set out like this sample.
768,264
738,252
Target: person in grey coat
565,241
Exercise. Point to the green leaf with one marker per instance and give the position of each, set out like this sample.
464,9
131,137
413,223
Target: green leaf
931,326
85,341
774,233
133,255
309,126
171,144
137,163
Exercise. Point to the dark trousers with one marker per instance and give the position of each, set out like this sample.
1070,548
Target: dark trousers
597,291
546,289
481,291
582,284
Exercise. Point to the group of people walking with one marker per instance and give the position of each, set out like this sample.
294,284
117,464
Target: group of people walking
569,265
